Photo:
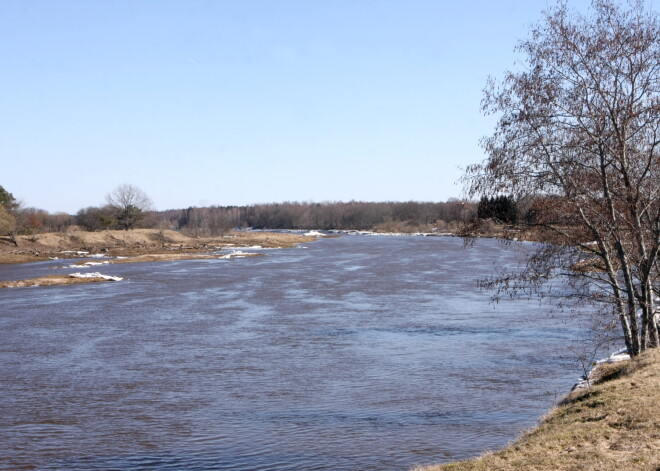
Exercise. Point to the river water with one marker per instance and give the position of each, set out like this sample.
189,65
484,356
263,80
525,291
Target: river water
353,353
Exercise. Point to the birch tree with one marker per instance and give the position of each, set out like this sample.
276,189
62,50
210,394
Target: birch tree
578,131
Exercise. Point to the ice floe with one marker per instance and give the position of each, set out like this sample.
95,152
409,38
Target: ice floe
94,264
236,254
259,247
87,264
95,275
390,234
248,247
82,253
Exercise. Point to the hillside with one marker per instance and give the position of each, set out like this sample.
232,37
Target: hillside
615,425
133,242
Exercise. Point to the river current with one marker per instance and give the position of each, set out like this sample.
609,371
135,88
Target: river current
351,353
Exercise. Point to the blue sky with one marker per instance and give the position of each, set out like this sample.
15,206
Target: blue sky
248,101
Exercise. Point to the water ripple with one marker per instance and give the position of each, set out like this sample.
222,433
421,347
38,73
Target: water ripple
356,353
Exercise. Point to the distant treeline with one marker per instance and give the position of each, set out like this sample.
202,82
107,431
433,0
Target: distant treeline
215,220
130,208
325,216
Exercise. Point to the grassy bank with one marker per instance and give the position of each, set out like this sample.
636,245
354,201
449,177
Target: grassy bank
51,280
137,242
615,425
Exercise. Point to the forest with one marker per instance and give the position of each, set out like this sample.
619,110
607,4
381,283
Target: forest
135,211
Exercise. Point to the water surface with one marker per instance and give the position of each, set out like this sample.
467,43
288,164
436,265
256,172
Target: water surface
357,353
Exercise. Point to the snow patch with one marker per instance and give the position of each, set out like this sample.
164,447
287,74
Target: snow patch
236,254
93,264
87,264
95,275
391,234
621,355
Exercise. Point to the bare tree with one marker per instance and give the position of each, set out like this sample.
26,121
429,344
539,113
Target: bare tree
130,204
8,224
579,129
10,215
94,218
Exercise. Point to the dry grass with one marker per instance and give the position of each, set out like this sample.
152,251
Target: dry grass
21,257
614,426
166,257
135,242
265,239
139,245
399,227
52,280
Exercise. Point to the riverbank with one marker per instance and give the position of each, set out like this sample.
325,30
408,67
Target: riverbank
160,244
612,426
57,280
135,246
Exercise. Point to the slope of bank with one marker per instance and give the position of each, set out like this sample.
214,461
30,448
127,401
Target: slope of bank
614,425
133,243
58,280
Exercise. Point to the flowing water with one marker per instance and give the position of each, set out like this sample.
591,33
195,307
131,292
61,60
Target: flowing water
355,353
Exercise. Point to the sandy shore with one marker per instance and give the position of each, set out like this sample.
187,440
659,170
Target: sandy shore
163,245
135,246
51,280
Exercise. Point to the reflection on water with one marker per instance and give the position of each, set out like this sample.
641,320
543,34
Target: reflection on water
357,353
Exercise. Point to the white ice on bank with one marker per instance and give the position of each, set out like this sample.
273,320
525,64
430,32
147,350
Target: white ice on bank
313,234
390,234
88,264
236,254
95,275
619,355
248,247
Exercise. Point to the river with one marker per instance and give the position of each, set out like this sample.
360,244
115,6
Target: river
352,353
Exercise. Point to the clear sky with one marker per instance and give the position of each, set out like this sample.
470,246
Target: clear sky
202,102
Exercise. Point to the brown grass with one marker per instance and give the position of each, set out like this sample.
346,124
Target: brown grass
51,280
265,239
613,426
399,227
139,245
135,242
164,257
